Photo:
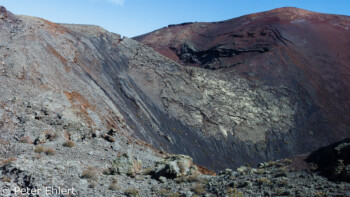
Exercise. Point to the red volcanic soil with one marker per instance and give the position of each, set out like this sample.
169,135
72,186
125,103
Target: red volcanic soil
299,49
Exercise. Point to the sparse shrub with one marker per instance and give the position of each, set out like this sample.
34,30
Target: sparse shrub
321,194
263,181
282,192
69,144
50,151
191,178
168,193
283,169
194,178
131,192
90,173
272,163
92,184
114,185
181,179
53,136
107,171
182,167
260,171
199,189
198,179
163,192
6,179
8,161
39,149
313,166
283,182
233,192
26,140
176,194
287,161
114,181
37,156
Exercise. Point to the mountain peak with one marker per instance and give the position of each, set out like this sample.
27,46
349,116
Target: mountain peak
285,13
291,9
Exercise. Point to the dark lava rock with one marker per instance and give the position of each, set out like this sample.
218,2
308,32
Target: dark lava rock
333,161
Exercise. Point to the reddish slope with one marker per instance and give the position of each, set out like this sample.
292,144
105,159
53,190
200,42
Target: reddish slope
296,48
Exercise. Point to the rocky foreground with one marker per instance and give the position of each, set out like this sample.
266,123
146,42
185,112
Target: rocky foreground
94,169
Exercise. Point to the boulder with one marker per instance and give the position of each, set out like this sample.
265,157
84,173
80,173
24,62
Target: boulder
175,166
126,164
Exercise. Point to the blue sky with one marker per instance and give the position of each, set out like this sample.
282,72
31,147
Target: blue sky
135,17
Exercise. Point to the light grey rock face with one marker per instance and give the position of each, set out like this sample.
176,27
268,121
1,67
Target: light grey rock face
126,164
175,166
219,104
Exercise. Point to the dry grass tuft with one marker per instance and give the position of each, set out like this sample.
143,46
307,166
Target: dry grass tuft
50,151
199,189
90,173
69,144
39,149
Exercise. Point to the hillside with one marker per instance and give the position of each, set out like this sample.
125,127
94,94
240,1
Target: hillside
84,109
